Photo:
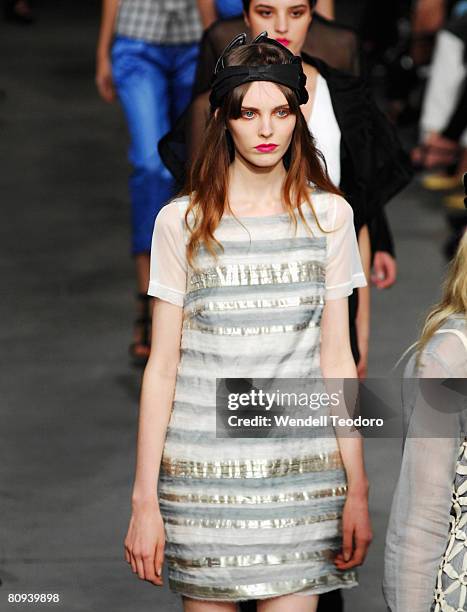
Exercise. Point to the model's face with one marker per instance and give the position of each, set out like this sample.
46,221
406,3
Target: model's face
263,132
285,20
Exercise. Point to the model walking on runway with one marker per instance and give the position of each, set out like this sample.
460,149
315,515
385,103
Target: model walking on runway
243,291
147,54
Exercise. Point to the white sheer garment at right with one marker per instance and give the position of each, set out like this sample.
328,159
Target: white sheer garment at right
419,521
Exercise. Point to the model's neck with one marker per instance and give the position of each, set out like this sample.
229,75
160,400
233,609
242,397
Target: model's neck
255,188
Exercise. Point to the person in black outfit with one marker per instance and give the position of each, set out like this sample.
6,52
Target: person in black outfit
374,167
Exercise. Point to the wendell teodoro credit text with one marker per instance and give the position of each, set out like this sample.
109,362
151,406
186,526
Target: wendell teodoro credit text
310,421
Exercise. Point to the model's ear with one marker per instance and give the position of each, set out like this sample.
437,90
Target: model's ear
246,19
216,113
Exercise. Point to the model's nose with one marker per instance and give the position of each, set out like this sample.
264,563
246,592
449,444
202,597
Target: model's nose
266,127
281,24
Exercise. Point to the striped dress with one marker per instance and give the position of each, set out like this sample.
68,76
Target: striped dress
251,518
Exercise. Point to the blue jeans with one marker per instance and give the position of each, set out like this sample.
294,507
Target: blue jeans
229,8
154,84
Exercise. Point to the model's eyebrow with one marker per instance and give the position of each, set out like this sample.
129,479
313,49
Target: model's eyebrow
252,108
270,6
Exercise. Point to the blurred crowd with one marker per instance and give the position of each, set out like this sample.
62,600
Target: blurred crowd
418,49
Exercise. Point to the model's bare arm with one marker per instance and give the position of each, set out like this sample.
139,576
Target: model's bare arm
103,67
145,540
363,311
207,10
336,363
324,8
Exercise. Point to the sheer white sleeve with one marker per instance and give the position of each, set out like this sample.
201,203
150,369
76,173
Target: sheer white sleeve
344,270
168,270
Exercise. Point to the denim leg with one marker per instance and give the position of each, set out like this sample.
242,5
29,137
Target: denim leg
182,76
140,73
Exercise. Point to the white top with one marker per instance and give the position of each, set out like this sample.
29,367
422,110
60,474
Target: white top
325,129
344,272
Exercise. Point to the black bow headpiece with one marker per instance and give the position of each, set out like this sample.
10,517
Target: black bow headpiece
227,78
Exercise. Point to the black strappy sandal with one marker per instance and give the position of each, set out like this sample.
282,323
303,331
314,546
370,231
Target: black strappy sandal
140,349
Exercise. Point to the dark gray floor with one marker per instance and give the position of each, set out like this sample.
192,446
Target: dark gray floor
69,395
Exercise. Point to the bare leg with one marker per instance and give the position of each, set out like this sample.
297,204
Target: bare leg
286,603
197,605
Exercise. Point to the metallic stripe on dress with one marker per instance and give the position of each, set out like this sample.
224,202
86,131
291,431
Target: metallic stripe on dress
257,274
251,523
249,331
249,292
282,302
249,560
264,589
254,468
252,499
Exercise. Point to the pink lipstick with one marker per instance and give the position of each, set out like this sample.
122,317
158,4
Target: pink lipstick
284,41
266,148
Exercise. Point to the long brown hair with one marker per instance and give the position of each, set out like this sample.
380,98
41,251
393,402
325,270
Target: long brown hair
207,183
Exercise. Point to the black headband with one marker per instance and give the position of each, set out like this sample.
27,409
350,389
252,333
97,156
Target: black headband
227,78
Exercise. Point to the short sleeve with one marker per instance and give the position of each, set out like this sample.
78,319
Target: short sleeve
344,271
168,269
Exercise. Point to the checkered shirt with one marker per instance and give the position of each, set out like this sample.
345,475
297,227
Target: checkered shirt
160,21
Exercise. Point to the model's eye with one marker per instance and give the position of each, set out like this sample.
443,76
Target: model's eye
283,112
264,13
248,114
297,13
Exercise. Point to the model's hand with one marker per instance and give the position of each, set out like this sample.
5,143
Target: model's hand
435,150
384,270
104,81
145,542
357,534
